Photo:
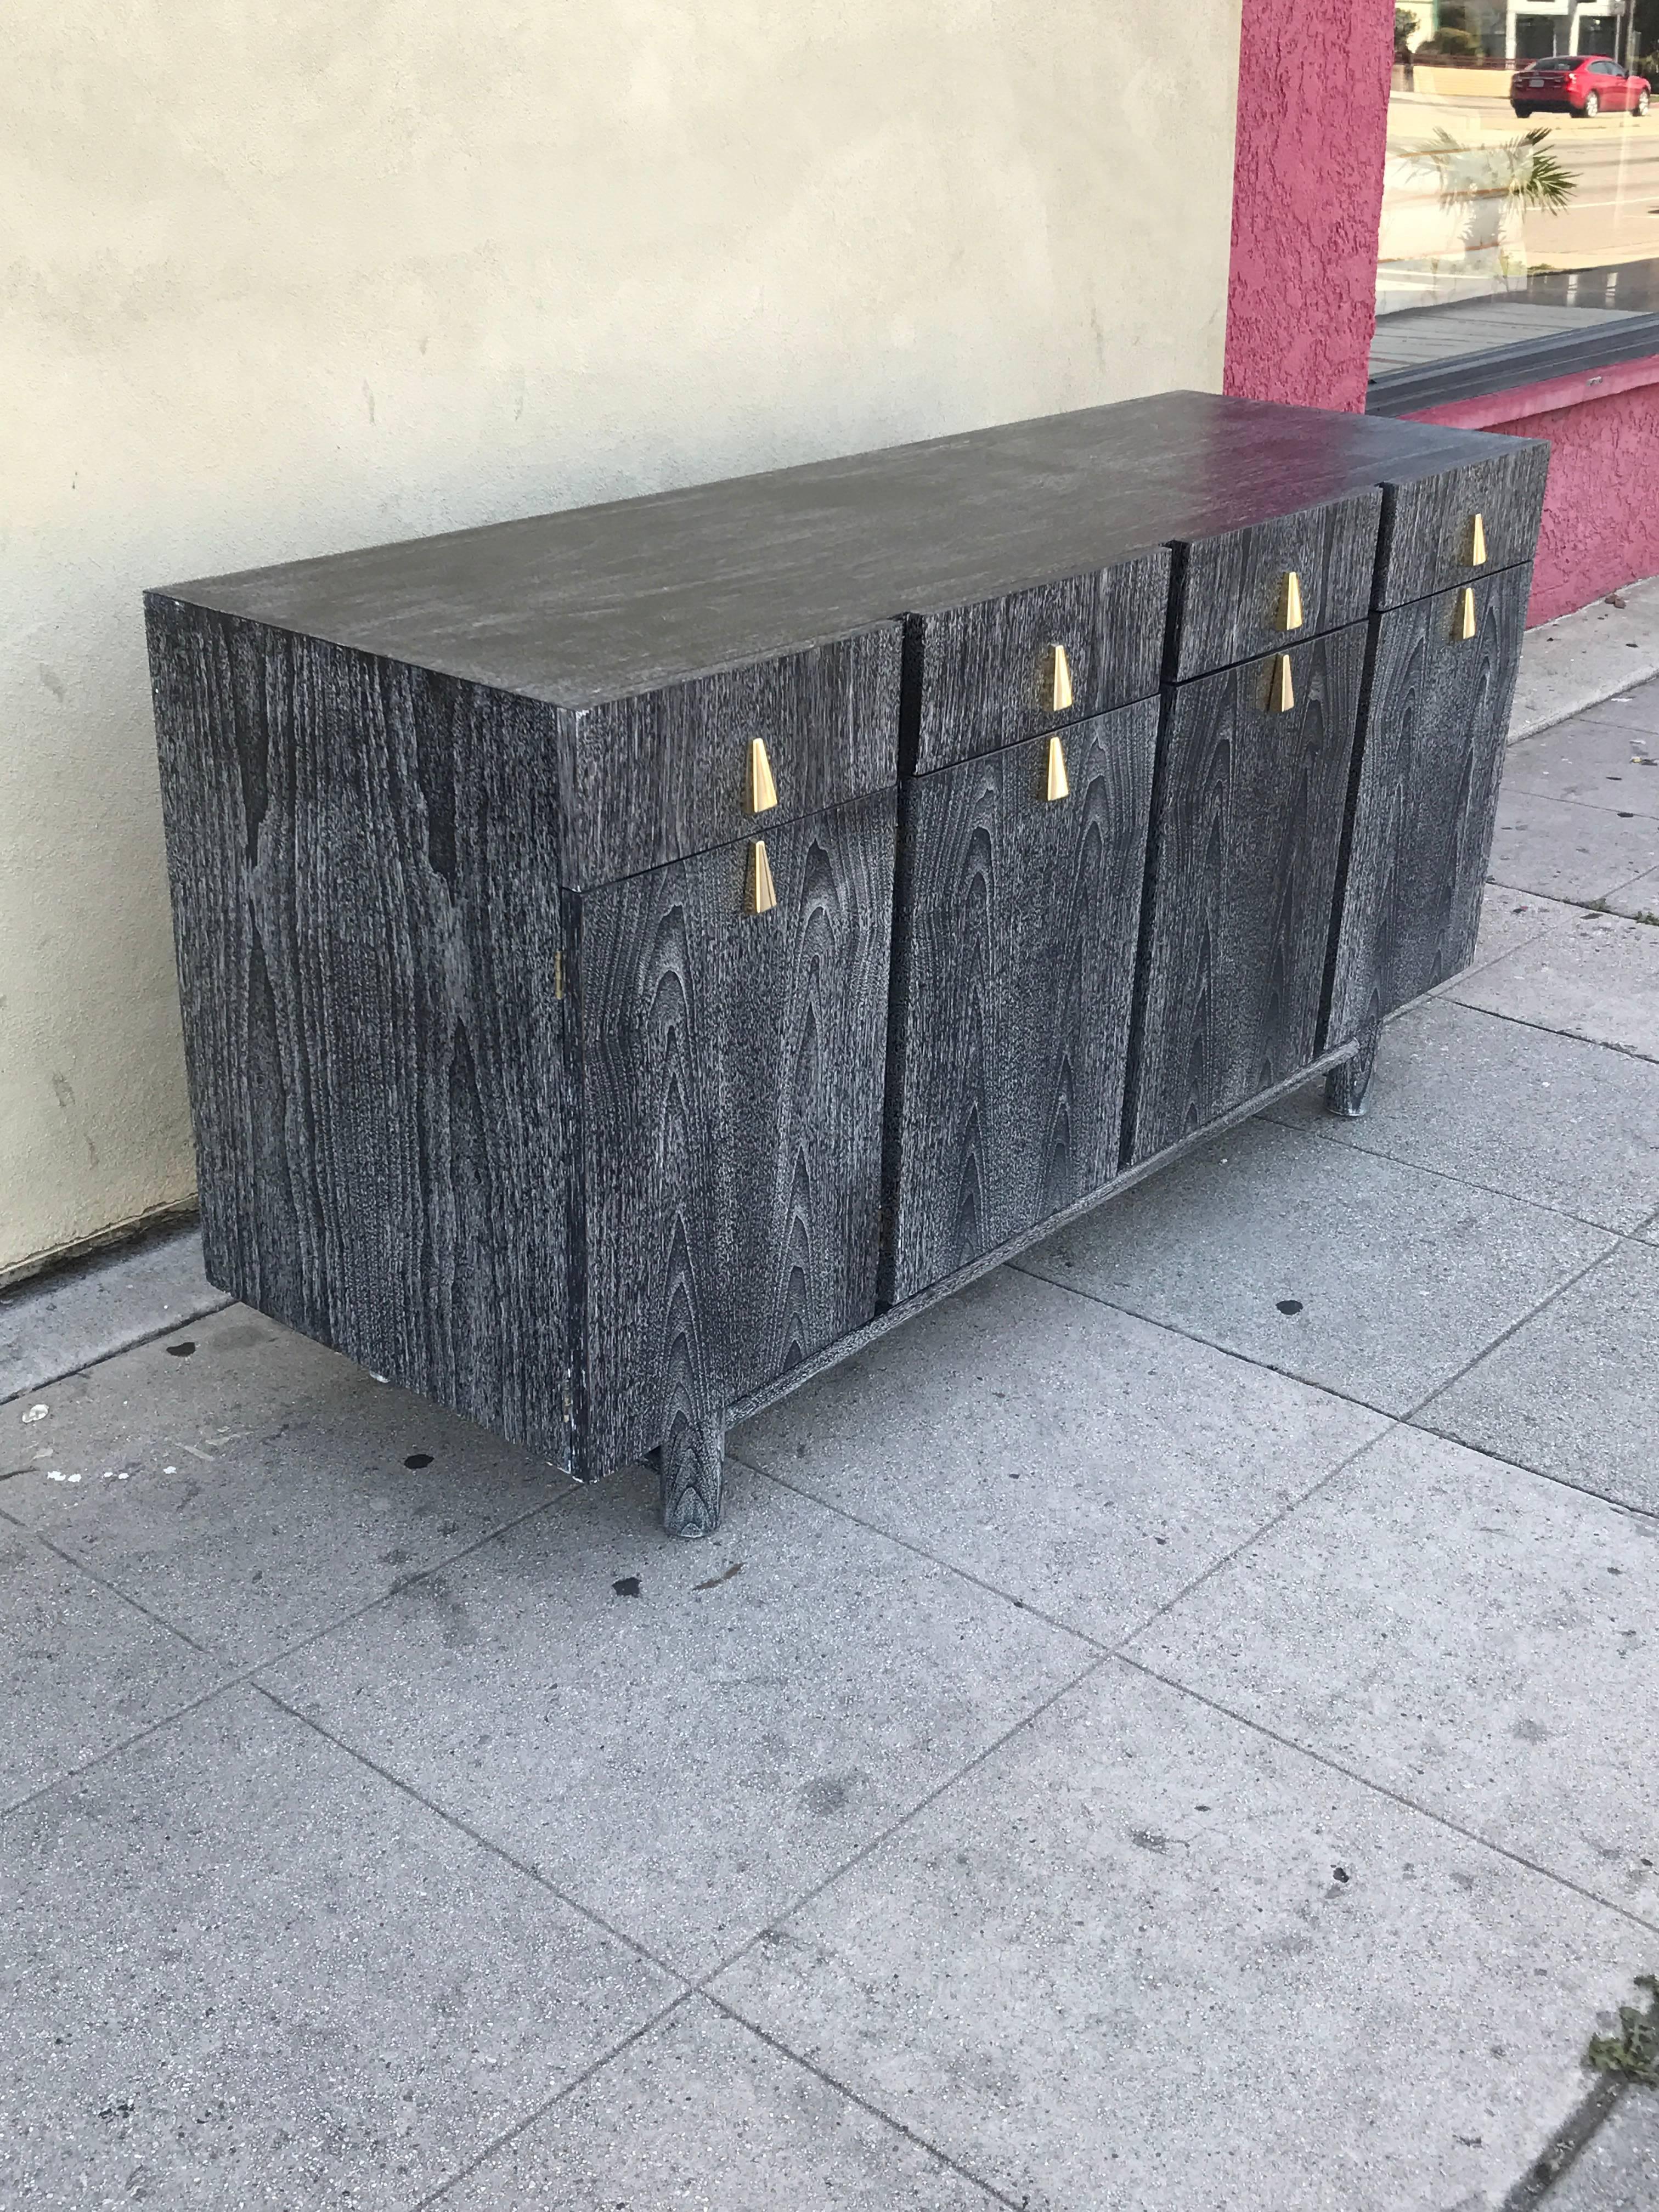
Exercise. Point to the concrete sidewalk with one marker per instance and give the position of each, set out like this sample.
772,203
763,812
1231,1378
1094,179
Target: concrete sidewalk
1174,1729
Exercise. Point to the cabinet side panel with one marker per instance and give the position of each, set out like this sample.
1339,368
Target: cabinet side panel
1425,798
364,863
1246,835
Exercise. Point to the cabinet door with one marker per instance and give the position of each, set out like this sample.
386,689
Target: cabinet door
1431,750
1013,977
732,1078
1247,829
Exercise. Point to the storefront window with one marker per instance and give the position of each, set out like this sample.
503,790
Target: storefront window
1520,193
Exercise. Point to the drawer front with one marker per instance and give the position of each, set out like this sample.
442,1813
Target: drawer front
1431,754
667,773
733,1068
1014,982
1428,524
1246,834
985,673
1232,597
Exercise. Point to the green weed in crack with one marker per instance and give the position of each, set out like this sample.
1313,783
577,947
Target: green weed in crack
1633,2049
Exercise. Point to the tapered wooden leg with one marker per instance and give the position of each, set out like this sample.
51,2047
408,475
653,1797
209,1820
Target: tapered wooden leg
689,1467
1346,1086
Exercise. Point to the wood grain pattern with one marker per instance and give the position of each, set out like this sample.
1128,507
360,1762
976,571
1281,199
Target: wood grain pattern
1227,590
977,665
1425,545
362,866
1013,975
1247,821
733,1113
663,774
1435,713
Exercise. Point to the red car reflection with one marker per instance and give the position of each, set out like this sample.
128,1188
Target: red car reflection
1583,84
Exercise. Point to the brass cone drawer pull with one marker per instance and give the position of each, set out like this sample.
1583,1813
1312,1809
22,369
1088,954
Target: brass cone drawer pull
1467,624
1058,783
1281,689
1056,684
763,791
1478,543
760,895
1290,615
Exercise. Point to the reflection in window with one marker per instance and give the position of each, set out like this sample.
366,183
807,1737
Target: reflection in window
1521,191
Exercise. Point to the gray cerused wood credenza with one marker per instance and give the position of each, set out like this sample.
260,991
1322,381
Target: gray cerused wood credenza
631,956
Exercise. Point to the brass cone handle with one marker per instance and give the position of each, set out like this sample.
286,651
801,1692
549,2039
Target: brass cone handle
761,895
1290,615
1281,689
763,791
1478,543
1056,684
1058,783
1467,624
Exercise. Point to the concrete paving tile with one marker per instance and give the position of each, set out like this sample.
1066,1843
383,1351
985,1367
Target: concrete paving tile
1481,1640
1574,1393
700,2111
1081,1458
1510,920
1566,851
259,1489
64,1320
80,1670
1144,1955
1596,978
1594,760
1638,705
1577,660
1520,1109
1395,1279
1618,2170
241,1970
683,1737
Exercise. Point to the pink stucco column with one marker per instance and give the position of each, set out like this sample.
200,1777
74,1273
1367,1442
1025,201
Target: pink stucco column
1313,112
1313,108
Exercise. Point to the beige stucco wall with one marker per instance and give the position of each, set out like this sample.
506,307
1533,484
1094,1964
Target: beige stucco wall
283,280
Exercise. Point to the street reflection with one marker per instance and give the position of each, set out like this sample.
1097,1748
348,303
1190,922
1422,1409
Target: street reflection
1486,209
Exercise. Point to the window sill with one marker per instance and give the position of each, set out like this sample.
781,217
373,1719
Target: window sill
1499,377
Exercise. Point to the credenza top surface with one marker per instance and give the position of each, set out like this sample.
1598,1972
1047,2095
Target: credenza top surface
601,602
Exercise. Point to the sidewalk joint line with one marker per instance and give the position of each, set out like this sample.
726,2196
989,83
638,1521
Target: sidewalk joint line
475,1836
868,2104
838,1873
917,1550
1503,1335
566,2089
1330,1135
1210,1344
1384,1789
116,1350
248,1673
